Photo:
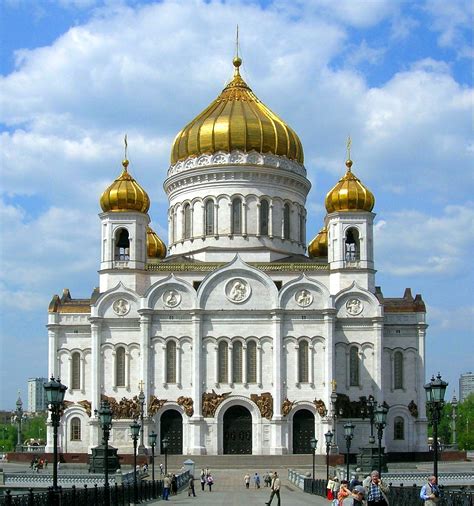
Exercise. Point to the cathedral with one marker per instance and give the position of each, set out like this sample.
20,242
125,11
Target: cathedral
240,336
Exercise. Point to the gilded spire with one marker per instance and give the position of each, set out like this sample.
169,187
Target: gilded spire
125,157
349,161
237,61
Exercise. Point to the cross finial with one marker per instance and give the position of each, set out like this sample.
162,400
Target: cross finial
237,42
126,145
334,385
349,144
141,385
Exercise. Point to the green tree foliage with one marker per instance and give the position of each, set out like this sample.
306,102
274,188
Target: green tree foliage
8,435
35,428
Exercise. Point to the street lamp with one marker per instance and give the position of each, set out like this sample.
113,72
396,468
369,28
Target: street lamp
135,430
55,392
371,405
141,400
18,418
328,436
348,434
454,404
334,416
105,417
435,391
314,444
152,442
380,422
164,443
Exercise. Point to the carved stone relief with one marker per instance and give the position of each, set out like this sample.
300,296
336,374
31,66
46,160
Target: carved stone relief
154,405
121,307
354,306
171,298
237,290
413,409
303,298
321,408
286,407
187,403
264,403
211,401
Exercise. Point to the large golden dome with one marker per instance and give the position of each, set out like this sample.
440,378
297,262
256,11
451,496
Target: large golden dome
125,194
237,120
349,194
155,246
318,247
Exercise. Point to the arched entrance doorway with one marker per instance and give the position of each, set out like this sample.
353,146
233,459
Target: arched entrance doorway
237,431
171,426
303,431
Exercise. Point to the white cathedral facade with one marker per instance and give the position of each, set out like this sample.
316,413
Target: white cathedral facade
238,332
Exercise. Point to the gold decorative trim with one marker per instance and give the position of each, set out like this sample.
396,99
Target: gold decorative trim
264,403
208,267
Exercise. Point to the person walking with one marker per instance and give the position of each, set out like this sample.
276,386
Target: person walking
376,490
275,486
166,487
256,480
174,485
344,492
430,492
191,490
210,481
247,480
203,479
161,470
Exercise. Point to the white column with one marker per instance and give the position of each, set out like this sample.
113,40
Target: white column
259,365
244,218
279,424
203,220
216,219
392,371
216,365
163,364
53,350
311,364
82,378
244,365
178,365
258,220
145,325
127,370
230,364
270,221
297,364
330,368
421,370
348,366
191,235
378,350
96,364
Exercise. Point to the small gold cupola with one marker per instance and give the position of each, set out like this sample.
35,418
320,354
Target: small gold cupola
318,247
125,194
155,246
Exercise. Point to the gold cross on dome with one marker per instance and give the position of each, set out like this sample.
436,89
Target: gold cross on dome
126,145
141,385
349,144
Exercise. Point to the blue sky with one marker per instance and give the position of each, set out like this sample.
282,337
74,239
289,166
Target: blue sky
76,75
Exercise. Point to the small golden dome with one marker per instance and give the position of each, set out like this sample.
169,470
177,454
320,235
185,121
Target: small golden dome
155,246
318,247
349,194
237,120
125,194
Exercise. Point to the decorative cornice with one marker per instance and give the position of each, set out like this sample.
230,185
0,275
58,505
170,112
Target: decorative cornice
212,266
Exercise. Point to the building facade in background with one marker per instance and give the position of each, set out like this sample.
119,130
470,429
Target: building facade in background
238,332
466,385
36,395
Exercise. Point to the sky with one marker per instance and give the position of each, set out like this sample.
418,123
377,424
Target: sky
77,75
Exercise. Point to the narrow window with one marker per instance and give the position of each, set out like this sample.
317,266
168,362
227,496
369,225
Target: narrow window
122,245
252,362
303,362
76,429
264,217
187,222
173,228
399,428
209,218
76,371
302,227
354,367
171,362
286,221
120,366
222,360
352,245
237,362
398,370
236,227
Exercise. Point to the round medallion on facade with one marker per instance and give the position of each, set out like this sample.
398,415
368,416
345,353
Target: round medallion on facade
237,290
171,298
303,298
354,307
121,307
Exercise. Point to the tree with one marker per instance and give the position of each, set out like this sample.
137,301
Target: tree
465,424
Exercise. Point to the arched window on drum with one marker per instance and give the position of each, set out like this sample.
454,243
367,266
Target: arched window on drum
236,218
76,371
209,217
286,221
354,366
399,428
237,362
222,358
264,217
252,362
122,245
303,359
398,370
171,362
352,245
187,222
75,429
120,367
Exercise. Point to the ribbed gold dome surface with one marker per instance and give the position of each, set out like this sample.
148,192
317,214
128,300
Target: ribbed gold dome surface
318,247
349,194
237,120
125,194
155,246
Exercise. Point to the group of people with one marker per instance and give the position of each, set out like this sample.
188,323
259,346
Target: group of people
256,480
270,480
37,464
206,479
170,486
372,491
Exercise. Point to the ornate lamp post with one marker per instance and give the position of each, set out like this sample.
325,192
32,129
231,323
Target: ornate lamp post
454,414
18,417
141,400
328,436
55,392
435,391
105,417
314,444
164,443
152,442
135,431
348,434
371,405
334,416
380,422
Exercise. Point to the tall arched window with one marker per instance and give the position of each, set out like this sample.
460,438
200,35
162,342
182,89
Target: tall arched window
187,222
303,362
122,245
264,215
236,225
252,362
172,227
171,362
352,245
354,366
399,428
75,429
237,362
302,227
76,371
398,370
286,221
223,354
120,366
209,217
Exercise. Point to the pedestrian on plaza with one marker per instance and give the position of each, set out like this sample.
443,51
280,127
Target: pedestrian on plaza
266,476
174,485
166,487
376,490
208,471
358,496
430,492
45,463
275,486
256,480
210,481
191,487
203,479
161,470
247,480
